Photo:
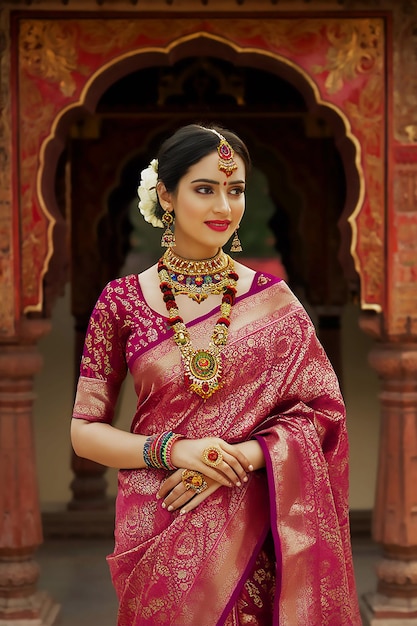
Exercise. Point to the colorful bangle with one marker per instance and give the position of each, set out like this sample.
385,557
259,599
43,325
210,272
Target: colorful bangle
166,453
146,447
157,450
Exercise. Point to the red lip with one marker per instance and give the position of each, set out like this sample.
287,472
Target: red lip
218,225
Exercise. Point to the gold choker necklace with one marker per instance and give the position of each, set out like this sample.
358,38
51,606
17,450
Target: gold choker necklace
197,279
203,367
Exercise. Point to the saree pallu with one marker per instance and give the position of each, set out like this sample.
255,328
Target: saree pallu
212,566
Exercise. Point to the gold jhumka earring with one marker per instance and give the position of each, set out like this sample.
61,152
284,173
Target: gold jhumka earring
236,245
168,237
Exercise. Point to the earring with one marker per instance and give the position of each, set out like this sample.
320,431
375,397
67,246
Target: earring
168,237
236,245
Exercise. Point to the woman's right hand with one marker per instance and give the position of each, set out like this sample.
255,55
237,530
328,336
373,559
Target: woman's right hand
231,471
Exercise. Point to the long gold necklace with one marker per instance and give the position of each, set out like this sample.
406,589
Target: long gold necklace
197,279
203,367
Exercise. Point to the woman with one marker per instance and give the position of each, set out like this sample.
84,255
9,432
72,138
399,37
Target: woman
232,502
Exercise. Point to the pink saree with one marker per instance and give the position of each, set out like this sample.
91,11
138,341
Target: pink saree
276,551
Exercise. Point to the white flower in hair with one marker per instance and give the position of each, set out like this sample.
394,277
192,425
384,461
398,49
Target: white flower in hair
148,199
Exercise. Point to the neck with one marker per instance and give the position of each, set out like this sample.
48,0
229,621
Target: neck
172,253
193,251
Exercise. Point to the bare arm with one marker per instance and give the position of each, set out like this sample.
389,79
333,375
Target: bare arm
113,447
107,445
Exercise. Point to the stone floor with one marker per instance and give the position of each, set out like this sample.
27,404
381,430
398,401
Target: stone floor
75,574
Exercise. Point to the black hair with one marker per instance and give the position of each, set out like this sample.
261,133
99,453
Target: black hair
187,146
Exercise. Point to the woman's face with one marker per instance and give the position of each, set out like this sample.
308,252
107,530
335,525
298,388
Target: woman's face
208,207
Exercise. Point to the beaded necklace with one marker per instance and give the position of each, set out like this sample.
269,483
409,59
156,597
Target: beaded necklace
203,367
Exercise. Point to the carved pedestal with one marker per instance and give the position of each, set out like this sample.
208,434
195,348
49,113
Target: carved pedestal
395,512
20,525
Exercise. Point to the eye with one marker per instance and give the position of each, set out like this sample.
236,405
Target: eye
204,189
237,191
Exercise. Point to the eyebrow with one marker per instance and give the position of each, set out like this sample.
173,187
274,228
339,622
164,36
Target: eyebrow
216,182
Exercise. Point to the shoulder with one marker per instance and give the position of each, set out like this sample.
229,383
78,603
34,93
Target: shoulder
246,276
149,276
119,292
256,268
252,281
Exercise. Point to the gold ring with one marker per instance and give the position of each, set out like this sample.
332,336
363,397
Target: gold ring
212,456
193,480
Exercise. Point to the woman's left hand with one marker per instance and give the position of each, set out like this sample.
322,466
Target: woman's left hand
176,496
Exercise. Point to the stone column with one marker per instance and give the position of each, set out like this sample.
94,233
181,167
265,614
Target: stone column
20,523
395,511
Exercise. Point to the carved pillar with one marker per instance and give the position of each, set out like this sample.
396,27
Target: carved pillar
394,356
395,511
20,523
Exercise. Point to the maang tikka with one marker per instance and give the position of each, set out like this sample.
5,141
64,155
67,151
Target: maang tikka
226,163
168,237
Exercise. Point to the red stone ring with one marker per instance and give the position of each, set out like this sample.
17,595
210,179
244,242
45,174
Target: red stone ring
212,456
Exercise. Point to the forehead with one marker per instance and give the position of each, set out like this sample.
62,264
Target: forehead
208,167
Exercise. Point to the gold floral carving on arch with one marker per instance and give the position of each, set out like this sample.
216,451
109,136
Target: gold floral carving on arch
342,59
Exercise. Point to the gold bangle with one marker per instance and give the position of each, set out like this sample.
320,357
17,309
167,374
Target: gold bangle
193,480
212,456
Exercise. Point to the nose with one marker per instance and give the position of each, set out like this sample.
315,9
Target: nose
222,205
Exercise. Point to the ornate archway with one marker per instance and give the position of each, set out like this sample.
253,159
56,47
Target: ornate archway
66,65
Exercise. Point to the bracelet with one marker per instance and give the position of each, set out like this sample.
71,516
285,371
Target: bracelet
146,447
157,450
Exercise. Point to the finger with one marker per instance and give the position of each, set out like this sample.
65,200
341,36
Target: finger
175,503
236,466
216,458
174,493
198,499
228,467
216,474
239,459
178,492
169,484
176,500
